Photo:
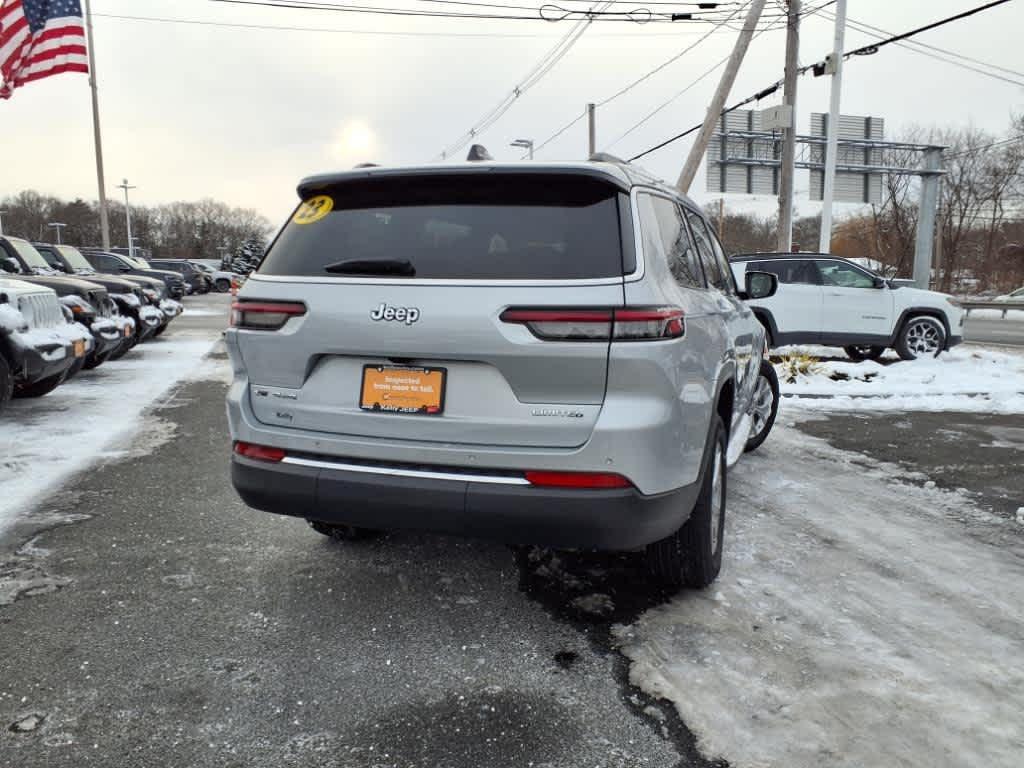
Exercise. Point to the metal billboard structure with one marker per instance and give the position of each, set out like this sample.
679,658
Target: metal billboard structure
744,157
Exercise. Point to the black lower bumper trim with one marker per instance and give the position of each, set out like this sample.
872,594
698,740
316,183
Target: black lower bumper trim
614,519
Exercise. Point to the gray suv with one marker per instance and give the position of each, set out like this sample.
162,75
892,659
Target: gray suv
542,354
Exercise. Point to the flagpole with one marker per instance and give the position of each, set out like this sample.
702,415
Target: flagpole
104,219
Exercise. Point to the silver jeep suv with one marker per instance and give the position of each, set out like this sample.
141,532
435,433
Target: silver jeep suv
544,354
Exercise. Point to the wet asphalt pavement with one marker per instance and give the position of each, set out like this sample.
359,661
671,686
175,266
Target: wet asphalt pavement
980,453
152,619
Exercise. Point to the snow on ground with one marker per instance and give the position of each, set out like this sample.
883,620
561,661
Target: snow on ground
44,440
963,379
859,620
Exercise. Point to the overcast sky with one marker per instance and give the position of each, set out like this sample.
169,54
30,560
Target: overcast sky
193,111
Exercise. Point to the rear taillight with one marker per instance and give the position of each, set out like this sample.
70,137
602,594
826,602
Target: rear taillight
259,452
577,480
264,315
620,324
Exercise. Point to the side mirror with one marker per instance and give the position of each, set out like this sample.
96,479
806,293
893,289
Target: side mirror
124,268
879,282
10,265
760,285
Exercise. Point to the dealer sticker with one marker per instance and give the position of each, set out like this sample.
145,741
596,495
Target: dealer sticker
314,209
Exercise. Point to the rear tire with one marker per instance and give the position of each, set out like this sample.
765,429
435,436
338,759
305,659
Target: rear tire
861,352
40,388
765,410
6,383
341,532
692,556
223,286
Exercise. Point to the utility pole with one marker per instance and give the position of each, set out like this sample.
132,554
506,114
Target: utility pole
784,243
721,219
104,217
2,214
721,94
128,217
58,227
591,130
926,217
832,145
526,144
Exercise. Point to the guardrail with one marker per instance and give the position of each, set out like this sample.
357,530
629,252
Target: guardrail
1005,306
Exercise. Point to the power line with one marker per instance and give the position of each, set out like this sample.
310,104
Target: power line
864,50
372,32
547,62
638,15
910,46
937,49
639,80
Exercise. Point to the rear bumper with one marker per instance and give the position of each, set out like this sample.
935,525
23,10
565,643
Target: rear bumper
618,519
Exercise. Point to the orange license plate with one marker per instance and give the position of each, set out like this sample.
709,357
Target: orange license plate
403,390
79,348
127,331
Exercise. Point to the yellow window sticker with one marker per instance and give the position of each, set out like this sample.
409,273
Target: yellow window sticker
313,210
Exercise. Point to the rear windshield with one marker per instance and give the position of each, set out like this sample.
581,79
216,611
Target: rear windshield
493,227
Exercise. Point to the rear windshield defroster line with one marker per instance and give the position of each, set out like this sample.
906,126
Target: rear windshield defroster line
465,227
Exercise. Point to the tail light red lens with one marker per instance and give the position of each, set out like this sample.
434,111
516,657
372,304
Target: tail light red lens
620,324
577,480
265,315
259,452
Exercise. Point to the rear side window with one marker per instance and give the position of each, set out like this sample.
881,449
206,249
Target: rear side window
664,232
801,271
458,226
706,250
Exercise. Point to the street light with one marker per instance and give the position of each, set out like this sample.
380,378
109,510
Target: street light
526,144
57,226
128,216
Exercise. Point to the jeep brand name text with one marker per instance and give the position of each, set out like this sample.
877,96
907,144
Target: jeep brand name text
407,315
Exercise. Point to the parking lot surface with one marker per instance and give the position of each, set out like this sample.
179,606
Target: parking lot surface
147,617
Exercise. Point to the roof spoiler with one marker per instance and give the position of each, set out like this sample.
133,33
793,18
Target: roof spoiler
478,153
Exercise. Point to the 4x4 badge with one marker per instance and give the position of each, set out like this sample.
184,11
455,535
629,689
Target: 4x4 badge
407,315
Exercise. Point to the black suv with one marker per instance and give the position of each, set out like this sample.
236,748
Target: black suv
88,301
192,275
116,264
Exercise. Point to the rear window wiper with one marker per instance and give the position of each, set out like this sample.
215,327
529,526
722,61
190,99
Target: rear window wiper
399,267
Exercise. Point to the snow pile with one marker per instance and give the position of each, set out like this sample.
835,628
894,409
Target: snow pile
151,315
171,308
858,621
962,379
107,407
64,335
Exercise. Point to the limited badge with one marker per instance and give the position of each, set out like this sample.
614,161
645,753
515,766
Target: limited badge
313,210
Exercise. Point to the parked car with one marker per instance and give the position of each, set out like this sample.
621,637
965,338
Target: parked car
88,301
1017,295
38,347
127,297
150,309
552,355
828,300
118,264
221,279
194,277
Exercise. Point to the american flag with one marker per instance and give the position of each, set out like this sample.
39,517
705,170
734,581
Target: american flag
39,38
